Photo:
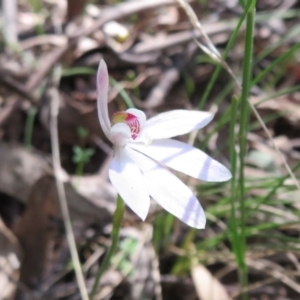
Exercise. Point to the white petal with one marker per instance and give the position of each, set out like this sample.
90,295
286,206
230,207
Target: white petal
185,158
119,134
176,122
126,177
139,114
102,91
167,190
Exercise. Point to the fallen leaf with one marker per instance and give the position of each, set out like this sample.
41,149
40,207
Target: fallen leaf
207,286
10,254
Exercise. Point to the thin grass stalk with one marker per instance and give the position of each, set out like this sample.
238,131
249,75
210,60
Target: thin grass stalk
117,222
244,120
272,193
235,239
279,93
31,114
227,49
274,63
293,32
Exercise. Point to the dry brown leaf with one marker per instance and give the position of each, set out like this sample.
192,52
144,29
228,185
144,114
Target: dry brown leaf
37,229
207,286
22,172
19,170
40,230
285,106
75,8
9,262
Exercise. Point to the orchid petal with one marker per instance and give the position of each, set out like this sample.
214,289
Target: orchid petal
176,122
126,177
120,133
185,158
102,91
168,191
139,114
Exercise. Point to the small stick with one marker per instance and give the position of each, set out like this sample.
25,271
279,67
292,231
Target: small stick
14,86
107,15
10,12
62,194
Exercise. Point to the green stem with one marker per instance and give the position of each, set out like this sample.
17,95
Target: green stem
79,168
244,120
79,173
117,222
29,126
122,92
235,239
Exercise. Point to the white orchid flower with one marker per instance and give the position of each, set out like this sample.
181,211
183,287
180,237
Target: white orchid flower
142,151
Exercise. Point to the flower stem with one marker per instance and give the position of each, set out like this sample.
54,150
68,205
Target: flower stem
79,168
117,222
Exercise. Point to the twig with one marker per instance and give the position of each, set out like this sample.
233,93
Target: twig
48,62
8,110
158,43
165,83
10,20
155,264
14,86
122,10
62,195
34,295
276,271
117,12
